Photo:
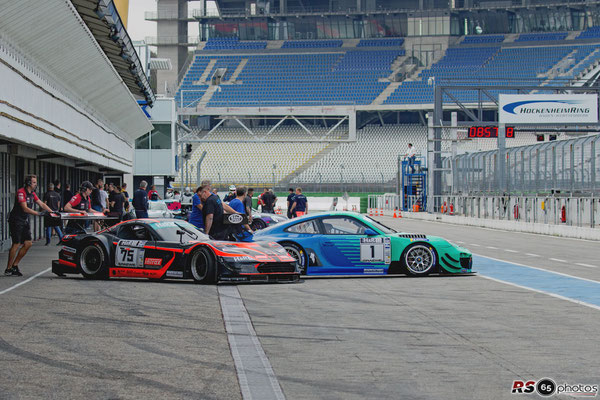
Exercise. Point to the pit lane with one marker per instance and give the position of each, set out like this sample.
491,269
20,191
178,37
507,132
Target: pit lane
455,337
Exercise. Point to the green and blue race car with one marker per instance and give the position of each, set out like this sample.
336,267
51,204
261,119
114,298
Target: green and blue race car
346,243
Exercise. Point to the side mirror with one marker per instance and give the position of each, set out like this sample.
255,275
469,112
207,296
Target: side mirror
370,232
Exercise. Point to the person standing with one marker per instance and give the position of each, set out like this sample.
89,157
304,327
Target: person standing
153,193
81,202
268,200
238,206
18,224
95,196
58,189
248,204
196,217
300,206
411,156
212,211
52,200
231,195
140,201
104,197
126,196
68,194
290,201
116,200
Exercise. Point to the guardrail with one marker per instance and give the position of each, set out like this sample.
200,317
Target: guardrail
555,210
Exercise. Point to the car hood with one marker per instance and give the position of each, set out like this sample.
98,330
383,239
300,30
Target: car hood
259,251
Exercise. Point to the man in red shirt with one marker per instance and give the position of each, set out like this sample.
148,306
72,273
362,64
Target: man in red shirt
18,222
81,202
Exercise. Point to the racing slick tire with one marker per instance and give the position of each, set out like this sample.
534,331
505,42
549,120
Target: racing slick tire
419,259
203,266
92,261
299,255
258,224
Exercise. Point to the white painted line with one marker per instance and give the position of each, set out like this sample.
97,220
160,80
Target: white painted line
474,244
531,255
255,374
511,251
558,260
582,303
458,241
25,281
491,247
586,265
539,269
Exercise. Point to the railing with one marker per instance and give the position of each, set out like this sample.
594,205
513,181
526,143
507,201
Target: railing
172,40
554,210
170,14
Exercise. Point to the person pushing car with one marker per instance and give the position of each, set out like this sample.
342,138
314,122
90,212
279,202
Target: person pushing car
18,223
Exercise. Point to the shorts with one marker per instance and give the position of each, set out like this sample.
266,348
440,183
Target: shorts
19,232
97,208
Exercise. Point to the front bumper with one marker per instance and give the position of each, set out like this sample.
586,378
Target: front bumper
60,267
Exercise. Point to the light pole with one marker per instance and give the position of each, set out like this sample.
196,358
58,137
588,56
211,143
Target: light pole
274,168
342,174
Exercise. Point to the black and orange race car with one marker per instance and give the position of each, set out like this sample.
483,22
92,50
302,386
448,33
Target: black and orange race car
170,248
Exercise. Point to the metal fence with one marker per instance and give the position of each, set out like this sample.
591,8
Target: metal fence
571,165
556,210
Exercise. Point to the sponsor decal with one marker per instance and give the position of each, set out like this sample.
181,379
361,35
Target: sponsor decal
152,261
175,274
235,218
373,270
547,387
555,108
69,249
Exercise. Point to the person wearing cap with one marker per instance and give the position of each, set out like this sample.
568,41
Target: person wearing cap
231,195
81,202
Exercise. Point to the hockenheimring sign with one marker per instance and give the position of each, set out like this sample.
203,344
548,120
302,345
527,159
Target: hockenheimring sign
548,108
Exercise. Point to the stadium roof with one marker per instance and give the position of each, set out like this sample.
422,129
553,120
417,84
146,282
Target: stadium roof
104,22
54,36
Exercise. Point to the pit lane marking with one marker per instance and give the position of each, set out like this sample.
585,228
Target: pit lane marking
532,255
586,265
511,251
25,281
491,247
558,260
255,374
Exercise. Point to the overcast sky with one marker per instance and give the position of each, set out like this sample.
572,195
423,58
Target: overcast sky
139,28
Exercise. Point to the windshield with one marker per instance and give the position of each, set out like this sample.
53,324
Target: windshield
156,206
379,225
168,231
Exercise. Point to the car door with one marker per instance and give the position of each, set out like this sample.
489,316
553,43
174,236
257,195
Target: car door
130,247
347,249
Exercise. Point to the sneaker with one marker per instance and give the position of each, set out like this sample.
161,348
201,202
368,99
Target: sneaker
8,272
15,271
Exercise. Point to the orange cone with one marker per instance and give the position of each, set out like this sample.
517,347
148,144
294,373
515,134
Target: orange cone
370,212
381,212
395,215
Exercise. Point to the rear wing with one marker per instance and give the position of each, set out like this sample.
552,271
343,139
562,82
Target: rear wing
84,216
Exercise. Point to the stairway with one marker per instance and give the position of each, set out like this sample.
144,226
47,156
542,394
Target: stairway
207,95
383,96
204,76
314,159
238,70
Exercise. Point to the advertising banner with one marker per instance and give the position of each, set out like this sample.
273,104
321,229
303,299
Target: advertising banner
548,108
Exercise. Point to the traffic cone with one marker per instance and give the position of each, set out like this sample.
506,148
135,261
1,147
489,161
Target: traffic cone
381,212
376,212
399,214
370,212
395,215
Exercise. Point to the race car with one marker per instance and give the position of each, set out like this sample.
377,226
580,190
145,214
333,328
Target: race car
346,243
261,220
170,248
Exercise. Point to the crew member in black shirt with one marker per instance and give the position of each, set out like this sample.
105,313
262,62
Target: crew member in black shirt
18,224
52,200
212,211
290,202
269,201
116,199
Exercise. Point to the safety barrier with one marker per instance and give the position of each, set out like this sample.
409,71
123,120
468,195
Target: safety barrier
556,210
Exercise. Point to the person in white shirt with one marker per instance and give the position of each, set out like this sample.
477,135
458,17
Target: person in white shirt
411,155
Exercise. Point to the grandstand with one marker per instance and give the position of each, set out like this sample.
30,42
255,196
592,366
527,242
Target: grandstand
383,81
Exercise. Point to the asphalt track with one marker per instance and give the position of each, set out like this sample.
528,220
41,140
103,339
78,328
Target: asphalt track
532,311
